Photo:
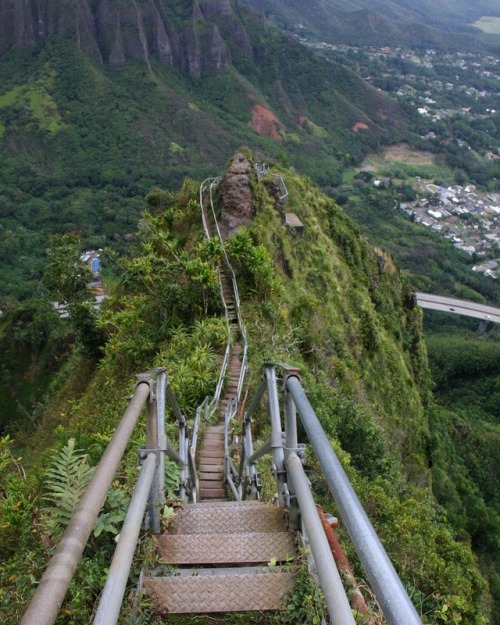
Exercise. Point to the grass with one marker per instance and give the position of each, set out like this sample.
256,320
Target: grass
489,25
36,99
400,161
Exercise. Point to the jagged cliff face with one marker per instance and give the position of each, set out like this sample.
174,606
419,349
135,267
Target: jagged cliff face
114,30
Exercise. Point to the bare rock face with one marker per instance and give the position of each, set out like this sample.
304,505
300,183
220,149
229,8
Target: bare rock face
28,22
114,31
237,207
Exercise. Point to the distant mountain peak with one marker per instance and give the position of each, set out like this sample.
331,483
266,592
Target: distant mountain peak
113,31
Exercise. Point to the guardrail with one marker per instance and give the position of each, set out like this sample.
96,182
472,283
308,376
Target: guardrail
208,185
152,390
262,170
294,494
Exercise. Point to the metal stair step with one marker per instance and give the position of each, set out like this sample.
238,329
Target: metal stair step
209,464
220,590
251,547
235,517
211,492
211,453
210,476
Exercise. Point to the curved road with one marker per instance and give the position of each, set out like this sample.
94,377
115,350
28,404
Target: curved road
458,307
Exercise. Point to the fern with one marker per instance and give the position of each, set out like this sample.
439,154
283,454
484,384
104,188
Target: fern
66,479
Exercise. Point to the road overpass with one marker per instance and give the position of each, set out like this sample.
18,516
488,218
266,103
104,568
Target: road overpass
459,307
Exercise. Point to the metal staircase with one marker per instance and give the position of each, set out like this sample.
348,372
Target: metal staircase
216,551
222,550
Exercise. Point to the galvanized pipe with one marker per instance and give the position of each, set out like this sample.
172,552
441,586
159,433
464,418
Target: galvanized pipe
47,601
276,432
331,584
174,455
156,494
390,592
291,439
256,399
181,419
262,451
110,603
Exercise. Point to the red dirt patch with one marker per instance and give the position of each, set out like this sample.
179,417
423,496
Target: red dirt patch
265,122
360,126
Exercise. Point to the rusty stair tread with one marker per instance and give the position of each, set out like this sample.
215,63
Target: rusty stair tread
233,518
220,590
225,548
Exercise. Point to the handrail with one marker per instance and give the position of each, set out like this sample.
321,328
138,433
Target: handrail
151,390
331,583
294,494
262,170
110,603
210,184
390,592
222,374
47,601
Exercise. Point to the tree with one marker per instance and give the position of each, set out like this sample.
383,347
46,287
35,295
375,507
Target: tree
66,277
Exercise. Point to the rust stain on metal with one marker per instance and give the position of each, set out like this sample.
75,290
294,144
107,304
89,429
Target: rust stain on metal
357,600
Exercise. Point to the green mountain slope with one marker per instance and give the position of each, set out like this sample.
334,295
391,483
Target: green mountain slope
325,301
81,141
384,22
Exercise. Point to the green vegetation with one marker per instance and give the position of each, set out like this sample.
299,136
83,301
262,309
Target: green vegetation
490,25
466,441
325,301
82,144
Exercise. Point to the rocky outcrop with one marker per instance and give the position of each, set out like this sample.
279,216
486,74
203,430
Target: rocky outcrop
237,207
114,31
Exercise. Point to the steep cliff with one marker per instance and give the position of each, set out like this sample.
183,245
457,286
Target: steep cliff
113,31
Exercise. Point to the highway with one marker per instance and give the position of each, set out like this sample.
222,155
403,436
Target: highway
458,307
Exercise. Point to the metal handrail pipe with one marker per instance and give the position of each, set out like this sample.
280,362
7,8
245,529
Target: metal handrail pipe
111,600
256,399
390,592
222,374
47,601
181,419
329,577
232,466
244,452
196,425
274,411
233,488
262,451
174,455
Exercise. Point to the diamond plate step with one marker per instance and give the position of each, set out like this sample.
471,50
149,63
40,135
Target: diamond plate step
236,517
220,590
248,548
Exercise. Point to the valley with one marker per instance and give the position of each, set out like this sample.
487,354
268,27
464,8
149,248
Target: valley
386,127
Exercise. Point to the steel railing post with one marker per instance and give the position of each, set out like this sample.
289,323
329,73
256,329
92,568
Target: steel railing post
291,443
155,434
277,433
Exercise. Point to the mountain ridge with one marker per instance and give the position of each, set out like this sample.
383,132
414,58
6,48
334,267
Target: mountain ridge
422,23
112,32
